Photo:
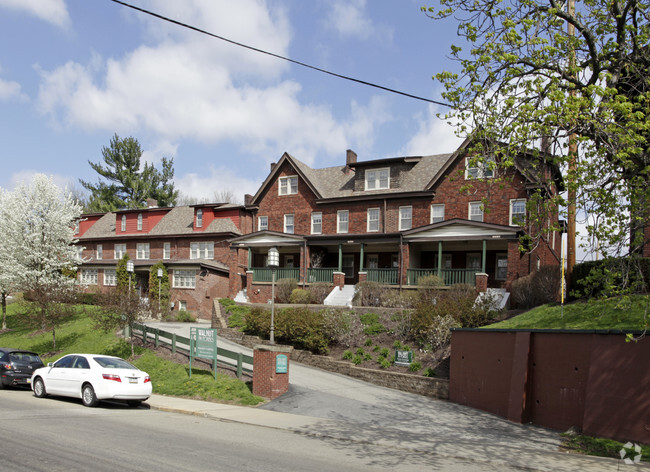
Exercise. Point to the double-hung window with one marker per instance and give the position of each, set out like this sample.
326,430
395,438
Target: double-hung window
110,277
405,217
123,225
202,250
89,276
475,211
142,251
199,218
288,224
517,212
100,251
139,221
288,185
378,179
373,220
167,250
479,168
437,213
342,221
119,251
184,279
262,223
316,223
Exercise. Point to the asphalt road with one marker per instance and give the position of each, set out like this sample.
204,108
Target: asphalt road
56,434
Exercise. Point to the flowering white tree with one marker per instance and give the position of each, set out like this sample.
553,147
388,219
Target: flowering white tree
37,224
7,281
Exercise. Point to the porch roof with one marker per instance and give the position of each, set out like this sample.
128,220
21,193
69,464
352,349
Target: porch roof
267,238
460,229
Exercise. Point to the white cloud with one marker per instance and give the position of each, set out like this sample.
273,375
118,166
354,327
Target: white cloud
215,180
9,89
349,19
434,136
52,11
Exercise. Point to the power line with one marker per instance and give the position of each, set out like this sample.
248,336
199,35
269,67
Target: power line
293,61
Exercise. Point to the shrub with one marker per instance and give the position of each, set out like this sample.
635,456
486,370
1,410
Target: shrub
360,351
438,334
368,342
303,328
384,363
368,294
403,323
429,372
538,288
429,286
258,322
284,288
347,355
384,352
319,291
371,324
227,302
341,327
300,296
356,360
611,276
185,317
397,299
415,366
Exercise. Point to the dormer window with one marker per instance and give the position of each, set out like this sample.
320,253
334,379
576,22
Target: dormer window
123,222
477,168
378,179
199,218
288,185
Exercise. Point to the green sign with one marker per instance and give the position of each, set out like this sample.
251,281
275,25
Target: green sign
203,344
403,357
281,364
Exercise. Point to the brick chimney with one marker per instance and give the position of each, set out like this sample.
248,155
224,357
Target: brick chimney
152,203
350,157
248,199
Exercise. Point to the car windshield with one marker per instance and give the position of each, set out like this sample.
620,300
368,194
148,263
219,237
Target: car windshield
114,363
24,357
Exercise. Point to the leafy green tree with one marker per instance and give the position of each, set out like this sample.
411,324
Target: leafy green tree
159,288
126,183
524,80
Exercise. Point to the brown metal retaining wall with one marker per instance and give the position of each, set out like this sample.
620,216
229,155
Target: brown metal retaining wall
593,380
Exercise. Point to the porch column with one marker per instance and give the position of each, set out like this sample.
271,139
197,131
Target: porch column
340,257
440,259
250,258
484,256
361,258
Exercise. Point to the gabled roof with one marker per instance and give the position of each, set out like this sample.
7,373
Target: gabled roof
458,228
338,182
267,238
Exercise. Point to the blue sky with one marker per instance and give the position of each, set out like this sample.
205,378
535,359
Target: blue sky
73,73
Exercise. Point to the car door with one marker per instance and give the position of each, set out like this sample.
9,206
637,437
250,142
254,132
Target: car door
57,377
77,375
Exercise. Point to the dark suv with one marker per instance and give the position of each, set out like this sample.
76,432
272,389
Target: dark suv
16,366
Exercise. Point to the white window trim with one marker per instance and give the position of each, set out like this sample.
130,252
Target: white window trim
167,250
259,223
100,252
123,223
110,274
202,250
480,169
377,179
469,210
139,221
293,223
368,229
437,205
184,279
287,185
121,246
320,216
88,277
401,227
512,203
142,251
199,218
339,221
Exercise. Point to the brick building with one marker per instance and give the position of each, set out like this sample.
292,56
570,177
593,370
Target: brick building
393,221
192,242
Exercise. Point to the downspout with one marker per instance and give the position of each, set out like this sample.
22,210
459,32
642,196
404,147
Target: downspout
401,260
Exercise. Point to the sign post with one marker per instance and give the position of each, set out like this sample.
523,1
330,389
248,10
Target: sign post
203,344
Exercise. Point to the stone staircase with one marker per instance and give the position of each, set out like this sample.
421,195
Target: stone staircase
340,297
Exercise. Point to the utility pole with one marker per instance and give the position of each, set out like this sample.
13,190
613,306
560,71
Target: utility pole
573,163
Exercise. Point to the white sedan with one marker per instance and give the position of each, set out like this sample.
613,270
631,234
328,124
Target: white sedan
92,377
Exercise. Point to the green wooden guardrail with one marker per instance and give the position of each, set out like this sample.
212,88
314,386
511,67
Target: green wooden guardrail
147,332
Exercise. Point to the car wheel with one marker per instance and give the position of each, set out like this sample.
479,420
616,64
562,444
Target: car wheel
39,388
88,396
1,385
134,403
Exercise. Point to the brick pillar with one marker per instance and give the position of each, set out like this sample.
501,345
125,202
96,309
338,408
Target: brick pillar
405,262
339,279
481,282
270,377
363,276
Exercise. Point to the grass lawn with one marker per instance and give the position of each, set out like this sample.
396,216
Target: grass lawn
168,378
613,314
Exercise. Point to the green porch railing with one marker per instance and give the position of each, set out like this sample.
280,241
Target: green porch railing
322,274
449,276
264,274
383,276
